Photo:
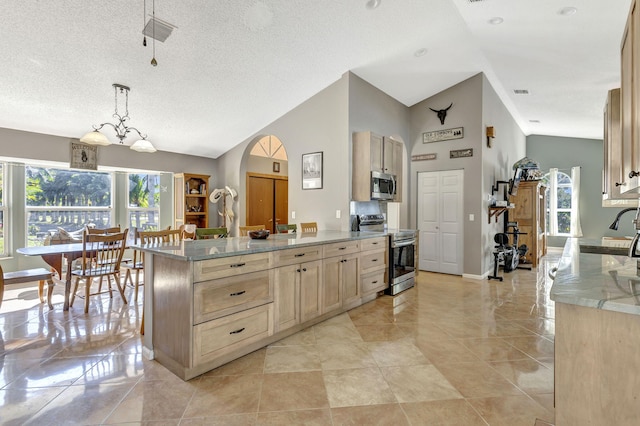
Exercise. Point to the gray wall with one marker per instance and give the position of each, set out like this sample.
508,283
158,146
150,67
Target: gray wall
564,153
475,106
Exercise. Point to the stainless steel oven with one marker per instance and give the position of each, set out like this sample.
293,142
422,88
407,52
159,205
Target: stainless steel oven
402,262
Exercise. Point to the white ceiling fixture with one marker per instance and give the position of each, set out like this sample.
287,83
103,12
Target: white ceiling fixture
496,20
568,11
122,130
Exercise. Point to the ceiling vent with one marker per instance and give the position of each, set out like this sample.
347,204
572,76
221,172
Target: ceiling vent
521,91
475,1
162,29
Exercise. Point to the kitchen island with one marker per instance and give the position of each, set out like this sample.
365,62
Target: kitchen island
597,303
208,302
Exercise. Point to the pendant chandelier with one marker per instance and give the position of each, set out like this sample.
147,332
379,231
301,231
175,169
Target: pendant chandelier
122,130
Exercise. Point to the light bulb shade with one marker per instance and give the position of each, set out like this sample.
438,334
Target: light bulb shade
95,138
143,145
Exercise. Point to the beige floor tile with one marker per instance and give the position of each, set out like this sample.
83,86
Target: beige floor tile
151,401
319,417
528,375
396,353
446,351
453,412
282,359
345,356
493,349
424,331
337,333
536,347
419,383
362,386
252,363
293,391
55,372
547,401
477,379
226,420
519,410
213,396
303,337
380,332
20,404
364,315
381,415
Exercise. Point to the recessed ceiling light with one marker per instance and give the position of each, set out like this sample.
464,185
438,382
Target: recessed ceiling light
521,91
496,21
420,52
568,11
372,4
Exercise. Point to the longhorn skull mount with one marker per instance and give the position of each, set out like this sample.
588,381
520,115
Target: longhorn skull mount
442,113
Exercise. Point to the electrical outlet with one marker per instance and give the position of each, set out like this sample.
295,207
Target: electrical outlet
472,217
338,214
293,214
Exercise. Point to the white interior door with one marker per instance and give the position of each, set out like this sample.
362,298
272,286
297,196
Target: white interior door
440,209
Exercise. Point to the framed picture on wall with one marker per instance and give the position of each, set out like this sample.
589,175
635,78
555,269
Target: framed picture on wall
276,167
312,170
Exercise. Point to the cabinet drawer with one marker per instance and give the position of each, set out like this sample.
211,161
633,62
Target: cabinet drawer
338,249
227,266
298,255
373,282
373,243
372,260
215,338
214,299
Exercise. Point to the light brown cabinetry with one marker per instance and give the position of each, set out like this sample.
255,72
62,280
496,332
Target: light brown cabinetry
529,213
374,153
341,286
191,200
373,265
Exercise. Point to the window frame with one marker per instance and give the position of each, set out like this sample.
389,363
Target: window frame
4,211
569,186
130,209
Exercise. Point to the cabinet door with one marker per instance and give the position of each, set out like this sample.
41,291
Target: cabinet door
377,159
287,294
398,169
628,101
332,287
350,276
310,290
388,155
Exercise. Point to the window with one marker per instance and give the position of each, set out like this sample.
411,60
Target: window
143,208
562,203
3,250
68,199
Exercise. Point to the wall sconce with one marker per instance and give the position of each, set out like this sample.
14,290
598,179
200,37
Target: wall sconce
491,133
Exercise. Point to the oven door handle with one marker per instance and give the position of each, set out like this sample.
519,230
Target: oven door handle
403,243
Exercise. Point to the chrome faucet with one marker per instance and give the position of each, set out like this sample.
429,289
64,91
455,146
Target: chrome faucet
636,224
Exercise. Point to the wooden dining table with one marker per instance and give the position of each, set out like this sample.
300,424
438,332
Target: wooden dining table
53,255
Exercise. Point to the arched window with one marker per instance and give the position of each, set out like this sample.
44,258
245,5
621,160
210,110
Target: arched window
563,217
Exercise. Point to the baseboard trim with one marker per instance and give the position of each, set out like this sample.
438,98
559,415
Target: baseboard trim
475,277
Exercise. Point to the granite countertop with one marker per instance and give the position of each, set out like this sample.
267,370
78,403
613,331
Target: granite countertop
601,281
234,246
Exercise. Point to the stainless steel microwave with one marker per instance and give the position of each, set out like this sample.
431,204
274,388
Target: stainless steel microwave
383,186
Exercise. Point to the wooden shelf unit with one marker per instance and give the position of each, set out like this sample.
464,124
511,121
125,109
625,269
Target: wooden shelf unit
191,199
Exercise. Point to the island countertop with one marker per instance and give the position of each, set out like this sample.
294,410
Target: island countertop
600,281
223,247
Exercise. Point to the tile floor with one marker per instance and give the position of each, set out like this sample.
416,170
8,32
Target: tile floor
450,351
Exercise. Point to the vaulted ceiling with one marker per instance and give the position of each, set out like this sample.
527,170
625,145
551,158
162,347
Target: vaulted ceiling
230,67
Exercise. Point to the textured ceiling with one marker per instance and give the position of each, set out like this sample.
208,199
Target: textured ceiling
233,66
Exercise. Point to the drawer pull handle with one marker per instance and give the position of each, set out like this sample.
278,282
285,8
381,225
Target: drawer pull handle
375,244
237,331
342,248
374,282
299,255
238,293
237,265
374,260
304,269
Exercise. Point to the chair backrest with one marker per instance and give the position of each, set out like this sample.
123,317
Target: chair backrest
187,231
1,285
98,231
102,253
283,228
166,236
244,230
209,233
309,227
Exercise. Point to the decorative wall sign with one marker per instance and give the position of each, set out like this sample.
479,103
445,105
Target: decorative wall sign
443,135
276,167
459,153
83,156
312,170
423,157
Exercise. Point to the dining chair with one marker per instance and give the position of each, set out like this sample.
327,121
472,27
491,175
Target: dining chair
209,233
25,276
101,257
244,230
283,228
308,227
97,231
165,236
